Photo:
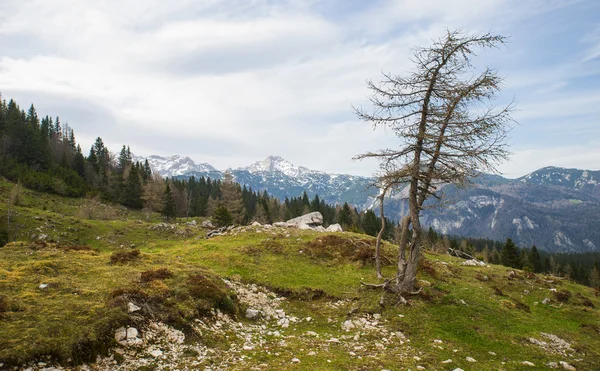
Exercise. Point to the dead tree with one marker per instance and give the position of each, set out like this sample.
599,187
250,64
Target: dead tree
449,131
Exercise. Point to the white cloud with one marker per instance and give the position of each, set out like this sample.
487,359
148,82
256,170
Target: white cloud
259,77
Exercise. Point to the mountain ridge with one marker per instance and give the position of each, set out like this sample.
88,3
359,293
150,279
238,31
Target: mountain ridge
553,207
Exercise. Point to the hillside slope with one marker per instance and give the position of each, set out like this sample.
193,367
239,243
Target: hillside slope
68,296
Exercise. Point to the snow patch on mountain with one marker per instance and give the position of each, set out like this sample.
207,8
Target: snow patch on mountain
174,165
274,164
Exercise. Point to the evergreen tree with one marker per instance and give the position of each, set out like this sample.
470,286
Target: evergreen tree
509,255
132,194
345,216
595,278
535,260
232,199
168,210
222,217
371,223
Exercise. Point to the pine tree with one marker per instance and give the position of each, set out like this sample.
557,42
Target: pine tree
345,216
535,259
168,210
222,217
132,194
371,224
509,255
231,199
595,278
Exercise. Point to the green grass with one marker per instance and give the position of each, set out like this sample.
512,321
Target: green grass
74,318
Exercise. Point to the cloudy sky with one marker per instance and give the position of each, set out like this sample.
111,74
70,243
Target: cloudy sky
230,82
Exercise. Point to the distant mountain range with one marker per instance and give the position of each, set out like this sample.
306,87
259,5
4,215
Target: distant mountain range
556,209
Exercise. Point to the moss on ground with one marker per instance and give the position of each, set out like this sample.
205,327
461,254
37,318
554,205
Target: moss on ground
65,298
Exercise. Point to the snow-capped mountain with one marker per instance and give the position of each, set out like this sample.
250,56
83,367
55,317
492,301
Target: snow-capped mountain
175,165
274,164
554,208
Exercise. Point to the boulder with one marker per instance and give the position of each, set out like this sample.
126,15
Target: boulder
207,224
312,219
255,224
132,307
334,228
283,225
252,314
473,263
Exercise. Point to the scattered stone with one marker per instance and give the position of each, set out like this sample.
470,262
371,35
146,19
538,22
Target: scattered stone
417,358
470,359
156,353
43,286
348,325
458,369
552,364
132,333
207,224
295,360
191,223
312,353
420,367
131,308
491,353
334,340
527,363
546,301
334,228
462,302
252,314
255,224
567,366
447,361
473,263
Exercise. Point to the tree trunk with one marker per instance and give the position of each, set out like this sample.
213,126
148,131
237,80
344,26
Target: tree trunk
379,235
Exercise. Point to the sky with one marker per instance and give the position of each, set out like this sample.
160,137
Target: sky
230,82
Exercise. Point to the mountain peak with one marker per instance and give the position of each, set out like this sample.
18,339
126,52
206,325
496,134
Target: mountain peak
273,164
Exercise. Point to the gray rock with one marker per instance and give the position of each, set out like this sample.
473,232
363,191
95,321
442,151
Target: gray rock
207,224
43,286
546,301
121,334
132,333
473,263
567,366
252,314
312,219
131,308
156,353
283,225
255,224
527,363
334,228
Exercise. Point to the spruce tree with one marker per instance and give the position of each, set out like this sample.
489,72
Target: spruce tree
345,216
535,259
132,194
231,199
371,224
168,210
509,255
222,217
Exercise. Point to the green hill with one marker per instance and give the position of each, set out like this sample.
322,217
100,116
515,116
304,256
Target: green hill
79,266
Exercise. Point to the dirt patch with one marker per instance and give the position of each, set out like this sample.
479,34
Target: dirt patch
333,247
125,256
303,293
562,296
156,274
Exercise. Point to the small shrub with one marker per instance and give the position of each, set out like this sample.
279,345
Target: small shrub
208,295
584,301
124,256
562,296
156,274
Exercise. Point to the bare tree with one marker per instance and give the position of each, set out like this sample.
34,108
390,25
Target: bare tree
449,130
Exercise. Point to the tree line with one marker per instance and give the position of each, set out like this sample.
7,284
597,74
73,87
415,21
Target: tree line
583,268
43,154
